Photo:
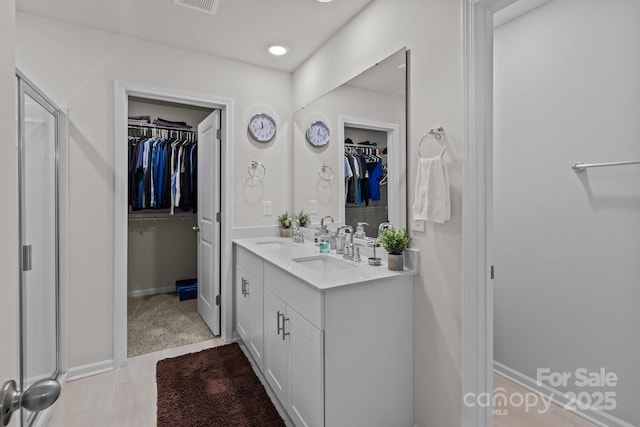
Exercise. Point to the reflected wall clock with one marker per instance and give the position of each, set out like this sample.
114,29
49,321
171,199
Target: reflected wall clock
318,133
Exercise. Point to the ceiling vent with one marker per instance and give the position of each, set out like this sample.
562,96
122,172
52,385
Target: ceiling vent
208,6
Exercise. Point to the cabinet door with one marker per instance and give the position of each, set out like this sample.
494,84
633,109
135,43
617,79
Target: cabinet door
243,322
256,310
275,347
305,371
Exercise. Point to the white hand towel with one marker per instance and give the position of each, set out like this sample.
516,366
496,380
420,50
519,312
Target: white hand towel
433,201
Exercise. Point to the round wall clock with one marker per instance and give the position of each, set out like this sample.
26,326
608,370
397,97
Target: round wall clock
318,133
262,127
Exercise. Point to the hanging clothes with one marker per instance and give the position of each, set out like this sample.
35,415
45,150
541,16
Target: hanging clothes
375,175
363,172
162,173
351,193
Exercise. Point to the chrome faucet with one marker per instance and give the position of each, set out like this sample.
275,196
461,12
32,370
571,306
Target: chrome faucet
323,234
351,251
296,235
382,226
322,226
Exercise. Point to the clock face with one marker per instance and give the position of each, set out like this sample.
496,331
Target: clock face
262,127
318,134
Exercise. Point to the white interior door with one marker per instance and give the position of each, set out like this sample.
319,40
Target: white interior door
208,221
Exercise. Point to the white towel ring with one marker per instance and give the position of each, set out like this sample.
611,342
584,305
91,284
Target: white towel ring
439,135
323,174
254,165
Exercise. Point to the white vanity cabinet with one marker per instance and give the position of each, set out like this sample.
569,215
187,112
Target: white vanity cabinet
294,359
249,295
338,346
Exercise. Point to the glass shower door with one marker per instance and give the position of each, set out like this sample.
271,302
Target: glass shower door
38,132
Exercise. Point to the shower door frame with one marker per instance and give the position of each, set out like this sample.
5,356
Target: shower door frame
24,86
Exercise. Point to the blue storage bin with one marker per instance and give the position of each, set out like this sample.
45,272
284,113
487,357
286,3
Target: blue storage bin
187,292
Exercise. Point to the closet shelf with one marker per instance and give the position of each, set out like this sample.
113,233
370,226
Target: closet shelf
176,217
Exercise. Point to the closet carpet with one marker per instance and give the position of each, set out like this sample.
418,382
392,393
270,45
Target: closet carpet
159,322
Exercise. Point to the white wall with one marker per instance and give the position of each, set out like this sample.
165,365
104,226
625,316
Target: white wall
9,215
567,89
161,252
431,30
76,67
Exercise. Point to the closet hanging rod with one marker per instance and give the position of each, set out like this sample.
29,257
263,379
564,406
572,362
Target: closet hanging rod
346,144
139,126
581,167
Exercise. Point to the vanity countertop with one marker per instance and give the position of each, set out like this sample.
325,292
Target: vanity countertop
282,253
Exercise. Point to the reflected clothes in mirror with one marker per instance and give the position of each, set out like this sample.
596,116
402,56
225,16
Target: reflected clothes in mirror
362,178
162,174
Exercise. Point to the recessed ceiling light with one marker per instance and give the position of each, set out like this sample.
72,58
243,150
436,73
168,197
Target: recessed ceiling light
325,1
277,49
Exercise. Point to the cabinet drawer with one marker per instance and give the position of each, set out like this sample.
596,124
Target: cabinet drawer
295,294
250,262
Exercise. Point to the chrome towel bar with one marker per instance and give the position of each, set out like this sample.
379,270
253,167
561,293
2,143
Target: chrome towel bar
581,167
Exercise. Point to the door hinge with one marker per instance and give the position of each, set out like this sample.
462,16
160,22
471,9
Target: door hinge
26,258
218,133
218,216
492,273
217,299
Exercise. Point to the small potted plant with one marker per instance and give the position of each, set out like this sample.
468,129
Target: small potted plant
285,224
303,218
394,242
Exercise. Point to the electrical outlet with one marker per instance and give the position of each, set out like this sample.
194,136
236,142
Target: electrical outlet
418,225
266,208
313,206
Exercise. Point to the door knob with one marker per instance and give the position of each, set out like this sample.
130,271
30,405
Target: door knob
196,228
38,397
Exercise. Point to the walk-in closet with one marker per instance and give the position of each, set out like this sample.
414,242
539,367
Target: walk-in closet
366,199
162,226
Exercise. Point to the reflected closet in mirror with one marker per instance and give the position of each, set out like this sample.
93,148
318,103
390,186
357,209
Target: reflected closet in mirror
366,119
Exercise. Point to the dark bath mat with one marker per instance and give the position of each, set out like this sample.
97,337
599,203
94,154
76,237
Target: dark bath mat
214,387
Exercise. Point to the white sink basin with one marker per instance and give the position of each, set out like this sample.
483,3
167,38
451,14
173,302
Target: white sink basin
324,263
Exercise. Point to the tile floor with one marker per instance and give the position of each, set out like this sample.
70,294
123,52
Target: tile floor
127,397
518,416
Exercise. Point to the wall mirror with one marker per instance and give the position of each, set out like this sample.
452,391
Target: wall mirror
369,113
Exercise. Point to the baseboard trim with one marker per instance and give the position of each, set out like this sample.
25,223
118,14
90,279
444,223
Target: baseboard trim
597,417
91,369
152,291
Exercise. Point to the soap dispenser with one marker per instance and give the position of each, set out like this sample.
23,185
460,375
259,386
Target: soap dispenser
360,234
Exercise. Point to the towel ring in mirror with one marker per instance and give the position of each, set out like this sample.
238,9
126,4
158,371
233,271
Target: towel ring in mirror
253,167
325,172
439,135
